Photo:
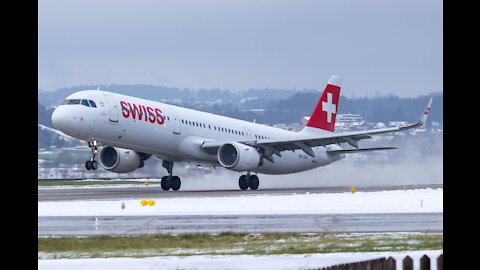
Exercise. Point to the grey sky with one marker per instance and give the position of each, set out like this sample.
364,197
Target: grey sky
376,46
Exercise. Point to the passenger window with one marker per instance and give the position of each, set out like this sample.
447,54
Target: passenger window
209,127
85,103
92,104
73,101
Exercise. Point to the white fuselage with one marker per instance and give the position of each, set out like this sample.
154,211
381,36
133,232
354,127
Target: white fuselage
133,123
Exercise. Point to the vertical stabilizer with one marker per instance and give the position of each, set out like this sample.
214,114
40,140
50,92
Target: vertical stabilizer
325,113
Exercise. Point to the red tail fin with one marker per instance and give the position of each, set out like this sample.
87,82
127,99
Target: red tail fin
325,113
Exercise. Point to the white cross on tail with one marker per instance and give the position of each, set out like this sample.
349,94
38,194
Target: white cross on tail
329,107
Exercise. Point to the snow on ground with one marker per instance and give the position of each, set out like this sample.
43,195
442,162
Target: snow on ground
296,261
398,201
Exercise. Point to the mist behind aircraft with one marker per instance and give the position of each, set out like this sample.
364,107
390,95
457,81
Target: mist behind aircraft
419,160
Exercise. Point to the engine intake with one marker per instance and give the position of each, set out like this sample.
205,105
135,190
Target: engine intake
238,157
120,160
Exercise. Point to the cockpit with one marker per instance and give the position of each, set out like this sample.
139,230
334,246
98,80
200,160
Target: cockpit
84,102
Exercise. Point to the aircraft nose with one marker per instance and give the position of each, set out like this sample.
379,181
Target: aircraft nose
58,119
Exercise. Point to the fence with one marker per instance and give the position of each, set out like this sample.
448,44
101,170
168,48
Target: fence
387,264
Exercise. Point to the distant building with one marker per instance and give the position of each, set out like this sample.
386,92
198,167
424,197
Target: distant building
343,121
397,123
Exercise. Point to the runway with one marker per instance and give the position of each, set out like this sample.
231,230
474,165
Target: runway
305,223
216,223
154,191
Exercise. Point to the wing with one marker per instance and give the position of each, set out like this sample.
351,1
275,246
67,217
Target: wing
306,142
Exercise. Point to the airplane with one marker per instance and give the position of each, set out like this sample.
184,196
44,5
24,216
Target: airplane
129,130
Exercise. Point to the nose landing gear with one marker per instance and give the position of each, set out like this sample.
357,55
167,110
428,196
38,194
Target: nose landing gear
92,164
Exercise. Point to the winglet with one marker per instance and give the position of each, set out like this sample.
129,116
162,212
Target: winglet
424,116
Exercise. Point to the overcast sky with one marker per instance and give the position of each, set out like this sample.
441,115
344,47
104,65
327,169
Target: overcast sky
376,46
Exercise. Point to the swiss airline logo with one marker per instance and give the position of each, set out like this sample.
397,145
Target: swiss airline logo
325,112
140,112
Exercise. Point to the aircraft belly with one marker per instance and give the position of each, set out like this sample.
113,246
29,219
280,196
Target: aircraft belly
294,162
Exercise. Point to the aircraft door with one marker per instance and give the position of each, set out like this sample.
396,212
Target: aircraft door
113,108
176,122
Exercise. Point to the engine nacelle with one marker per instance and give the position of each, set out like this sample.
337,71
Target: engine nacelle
238,157
121,160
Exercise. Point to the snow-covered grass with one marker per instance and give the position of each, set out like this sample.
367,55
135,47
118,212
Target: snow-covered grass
232,244
399,201
291,261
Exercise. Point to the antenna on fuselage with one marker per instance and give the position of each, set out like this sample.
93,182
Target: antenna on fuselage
98,88
255,120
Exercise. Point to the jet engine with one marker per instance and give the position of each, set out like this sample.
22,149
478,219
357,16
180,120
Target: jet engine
121,160
238,157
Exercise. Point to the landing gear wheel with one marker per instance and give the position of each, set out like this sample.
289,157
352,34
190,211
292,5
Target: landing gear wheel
165,183
88,165
175,183
243,182
94,165
253,182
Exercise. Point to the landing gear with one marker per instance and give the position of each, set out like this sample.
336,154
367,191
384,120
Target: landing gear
253,182
175,183
170,182
92,164
248,181
243,182
165,183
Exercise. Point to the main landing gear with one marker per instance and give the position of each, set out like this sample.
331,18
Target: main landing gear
92,164
248,181
170,182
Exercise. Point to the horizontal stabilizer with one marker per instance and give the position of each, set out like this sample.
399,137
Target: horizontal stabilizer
350,151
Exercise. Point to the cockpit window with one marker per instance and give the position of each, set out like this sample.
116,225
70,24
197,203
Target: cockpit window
64,102
85,103
93,104
73,101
